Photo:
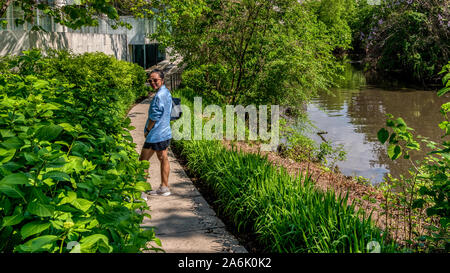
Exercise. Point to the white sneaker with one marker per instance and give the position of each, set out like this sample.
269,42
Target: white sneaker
143,196
163,191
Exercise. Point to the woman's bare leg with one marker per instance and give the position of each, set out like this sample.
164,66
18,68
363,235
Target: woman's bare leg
165,167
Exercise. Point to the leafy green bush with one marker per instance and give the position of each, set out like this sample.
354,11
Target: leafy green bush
208,81
103,86
124,79
67,181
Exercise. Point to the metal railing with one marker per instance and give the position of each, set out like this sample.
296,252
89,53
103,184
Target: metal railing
173,80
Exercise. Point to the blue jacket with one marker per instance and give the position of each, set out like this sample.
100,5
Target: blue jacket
159,111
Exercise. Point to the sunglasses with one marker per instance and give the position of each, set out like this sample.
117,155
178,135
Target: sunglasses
153,80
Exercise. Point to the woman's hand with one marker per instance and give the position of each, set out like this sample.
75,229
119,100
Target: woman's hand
149,127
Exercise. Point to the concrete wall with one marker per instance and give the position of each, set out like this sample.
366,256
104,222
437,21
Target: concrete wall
13,42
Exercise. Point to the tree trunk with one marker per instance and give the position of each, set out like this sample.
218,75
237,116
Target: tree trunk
4,6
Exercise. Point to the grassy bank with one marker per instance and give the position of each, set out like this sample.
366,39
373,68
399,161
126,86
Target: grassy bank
284,213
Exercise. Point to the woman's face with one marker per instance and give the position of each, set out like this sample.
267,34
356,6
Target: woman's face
156,81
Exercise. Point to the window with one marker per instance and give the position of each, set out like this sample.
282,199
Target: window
148,56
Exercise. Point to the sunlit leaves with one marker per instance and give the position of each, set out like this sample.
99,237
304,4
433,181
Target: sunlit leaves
39,209
400,133
81,204
73,15
33,228
394,151
39,244
445,80
95,243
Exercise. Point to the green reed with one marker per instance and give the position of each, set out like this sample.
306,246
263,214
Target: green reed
287,214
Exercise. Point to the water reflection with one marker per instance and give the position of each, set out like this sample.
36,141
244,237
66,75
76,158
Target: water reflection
353,116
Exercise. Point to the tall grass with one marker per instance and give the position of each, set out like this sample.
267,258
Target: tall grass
287,215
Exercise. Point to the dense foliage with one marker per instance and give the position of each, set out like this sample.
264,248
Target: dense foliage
408,39
337,15
254,51
70,178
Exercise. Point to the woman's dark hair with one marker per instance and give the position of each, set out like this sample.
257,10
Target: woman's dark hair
159,72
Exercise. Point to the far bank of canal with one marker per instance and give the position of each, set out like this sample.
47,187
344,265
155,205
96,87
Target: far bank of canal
353,116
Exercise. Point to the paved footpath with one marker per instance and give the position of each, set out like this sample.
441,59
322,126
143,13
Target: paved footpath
183,221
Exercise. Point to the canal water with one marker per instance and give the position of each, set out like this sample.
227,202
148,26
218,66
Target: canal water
352,116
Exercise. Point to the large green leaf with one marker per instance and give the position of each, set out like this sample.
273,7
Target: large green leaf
39,84
39,209
67,126
394,152
12,191
8,185
443,91
74,163
15,179
12,143
57,163
383,135
49,132
82,204
33,228
69,198
142,186
12,166
42,243
6,154
31,158
95,242
7,133
79,148
14,219
56,175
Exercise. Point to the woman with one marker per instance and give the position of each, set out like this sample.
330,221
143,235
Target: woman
157,130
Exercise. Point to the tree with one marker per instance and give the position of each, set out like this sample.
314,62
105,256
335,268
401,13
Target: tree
251,51
73,14
336,15
78,13
137,8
